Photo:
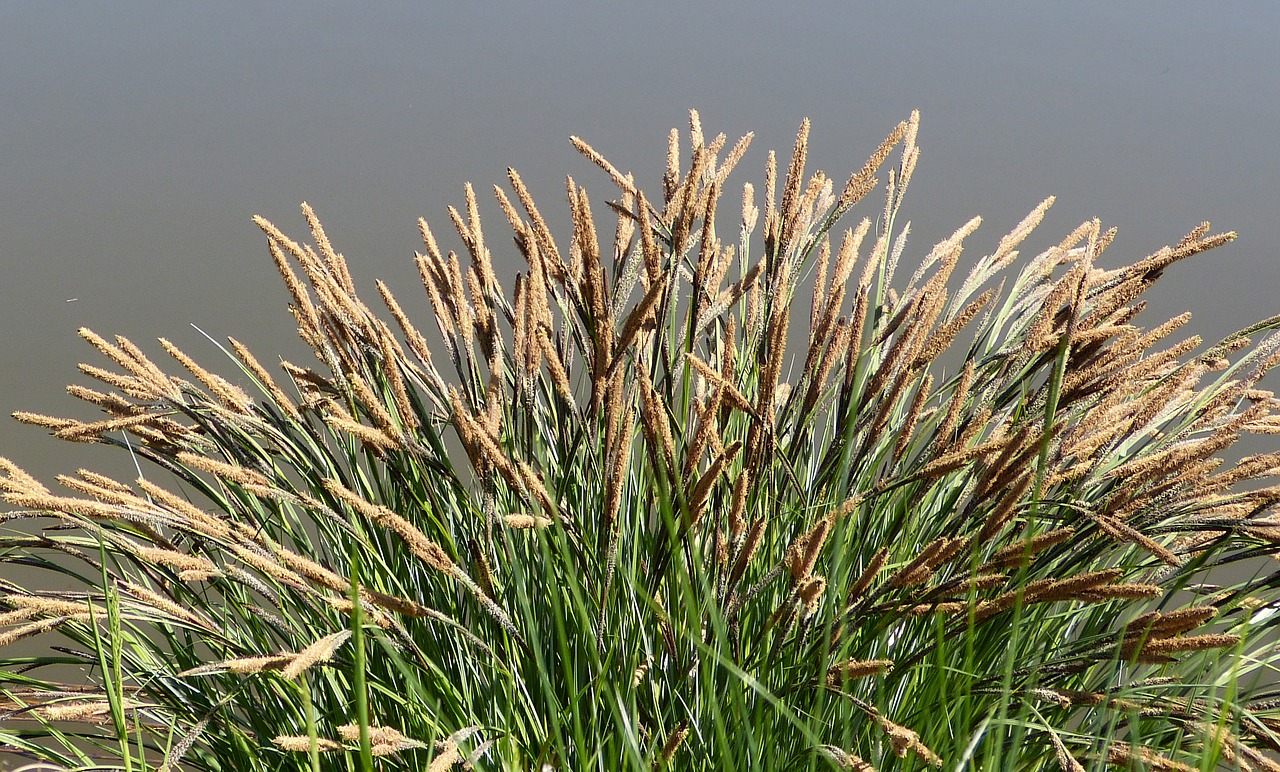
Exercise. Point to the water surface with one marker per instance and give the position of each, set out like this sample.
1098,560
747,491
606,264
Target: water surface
139,139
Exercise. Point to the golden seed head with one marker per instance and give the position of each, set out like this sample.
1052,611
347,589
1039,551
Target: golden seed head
521,521
674,740
851,669
302,743
320,651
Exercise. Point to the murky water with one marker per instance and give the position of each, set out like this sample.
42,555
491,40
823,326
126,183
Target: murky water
136,145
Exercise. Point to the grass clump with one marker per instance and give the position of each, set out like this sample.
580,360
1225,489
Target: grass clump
614,516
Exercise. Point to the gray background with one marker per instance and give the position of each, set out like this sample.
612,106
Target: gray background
138,139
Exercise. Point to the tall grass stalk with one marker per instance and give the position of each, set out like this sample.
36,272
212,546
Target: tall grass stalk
709,485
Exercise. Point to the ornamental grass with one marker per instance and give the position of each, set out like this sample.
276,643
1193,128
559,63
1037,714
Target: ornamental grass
718,482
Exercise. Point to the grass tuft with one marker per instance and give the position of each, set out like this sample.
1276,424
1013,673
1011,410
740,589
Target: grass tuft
632,510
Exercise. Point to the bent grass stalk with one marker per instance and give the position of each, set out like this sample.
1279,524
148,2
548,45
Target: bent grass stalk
621,518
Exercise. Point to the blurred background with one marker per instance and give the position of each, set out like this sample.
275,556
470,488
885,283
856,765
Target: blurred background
139,138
